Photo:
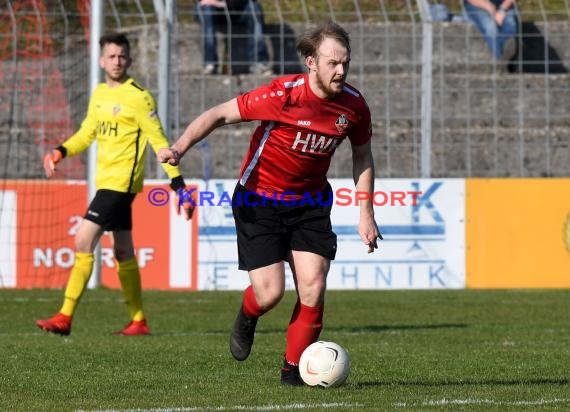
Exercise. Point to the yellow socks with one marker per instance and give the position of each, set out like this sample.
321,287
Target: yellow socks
77,282
130,278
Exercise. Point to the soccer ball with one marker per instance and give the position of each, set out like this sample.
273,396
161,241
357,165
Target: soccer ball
324,364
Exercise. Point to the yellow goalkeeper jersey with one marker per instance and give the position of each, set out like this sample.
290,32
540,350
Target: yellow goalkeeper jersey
123,119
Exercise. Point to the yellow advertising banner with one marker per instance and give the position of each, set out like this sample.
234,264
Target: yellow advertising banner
518,233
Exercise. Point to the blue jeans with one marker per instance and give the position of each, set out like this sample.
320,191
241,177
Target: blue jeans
495,36
251,17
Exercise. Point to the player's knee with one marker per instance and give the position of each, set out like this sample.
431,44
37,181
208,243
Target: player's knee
122,254
83,245
312,294
270,297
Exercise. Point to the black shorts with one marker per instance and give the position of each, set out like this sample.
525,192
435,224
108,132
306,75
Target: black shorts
268,230
111,210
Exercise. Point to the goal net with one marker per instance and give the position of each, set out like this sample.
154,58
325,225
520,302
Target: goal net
37,112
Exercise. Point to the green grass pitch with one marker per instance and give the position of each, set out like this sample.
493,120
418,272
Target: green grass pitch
410,350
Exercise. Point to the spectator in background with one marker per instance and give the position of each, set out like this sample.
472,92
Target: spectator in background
245,13
497,21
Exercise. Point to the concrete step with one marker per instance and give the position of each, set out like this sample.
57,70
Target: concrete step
471,99
395,46
456,152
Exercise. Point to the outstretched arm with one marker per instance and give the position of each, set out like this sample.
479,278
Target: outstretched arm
220,4
484,5
202,126
363,174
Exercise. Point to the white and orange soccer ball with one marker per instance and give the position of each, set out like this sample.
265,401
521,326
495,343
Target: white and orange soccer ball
324,364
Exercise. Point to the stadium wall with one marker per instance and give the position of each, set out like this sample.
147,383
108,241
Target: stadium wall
438,234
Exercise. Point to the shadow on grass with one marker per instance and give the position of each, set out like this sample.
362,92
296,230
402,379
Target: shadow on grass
386,328
373,328
464,382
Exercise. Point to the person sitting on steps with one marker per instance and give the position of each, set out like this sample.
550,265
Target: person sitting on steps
246,13
497,21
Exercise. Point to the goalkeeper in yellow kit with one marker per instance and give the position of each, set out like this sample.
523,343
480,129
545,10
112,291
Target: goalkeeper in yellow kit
122,118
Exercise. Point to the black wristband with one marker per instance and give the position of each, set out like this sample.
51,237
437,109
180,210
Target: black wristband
63,151
177,183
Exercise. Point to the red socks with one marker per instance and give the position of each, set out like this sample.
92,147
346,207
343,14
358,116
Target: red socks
304,328
250,306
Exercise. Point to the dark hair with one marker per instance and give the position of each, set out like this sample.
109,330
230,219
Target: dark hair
308,44
119,39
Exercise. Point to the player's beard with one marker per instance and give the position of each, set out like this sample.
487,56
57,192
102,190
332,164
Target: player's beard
117,75
330,88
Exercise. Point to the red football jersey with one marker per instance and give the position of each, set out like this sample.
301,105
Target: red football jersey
291,150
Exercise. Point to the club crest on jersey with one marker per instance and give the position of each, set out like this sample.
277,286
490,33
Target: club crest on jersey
116,109
341,123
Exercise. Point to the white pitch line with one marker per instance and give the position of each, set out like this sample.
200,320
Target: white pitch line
290,407
444,402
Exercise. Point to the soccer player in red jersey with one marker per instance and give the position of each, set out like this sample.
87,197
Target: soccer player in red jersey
303,119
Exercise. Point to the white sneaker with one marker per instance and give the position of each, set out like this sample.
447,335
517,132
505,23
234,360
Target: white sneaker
509,49
262,69
209,69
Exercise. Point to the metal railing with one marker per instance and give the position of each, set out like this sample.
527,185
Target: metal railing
467,115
